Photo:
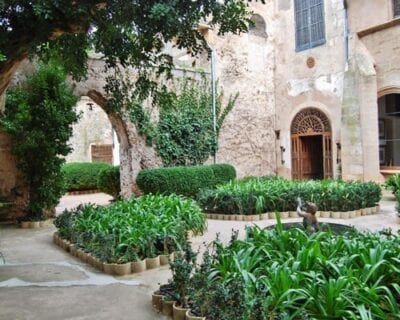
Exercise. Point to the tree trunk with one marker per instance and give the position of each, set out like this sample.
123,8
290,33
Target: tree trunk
7,71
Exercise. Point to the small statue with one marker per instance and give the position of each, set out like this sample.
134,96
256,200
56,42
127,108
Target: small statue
310,221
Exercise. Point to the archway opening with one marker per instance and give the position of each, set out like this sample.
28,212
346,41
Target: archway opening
311,145
94,137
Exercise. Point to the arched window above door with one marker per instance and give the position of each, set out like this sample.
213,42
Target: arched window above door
310,121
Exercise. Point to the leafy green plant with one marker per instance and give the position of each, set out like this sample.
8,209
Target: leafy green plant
185,132
398,203
39,117
267,194
289,274
83,175
108,181
132,229
393,183
184,180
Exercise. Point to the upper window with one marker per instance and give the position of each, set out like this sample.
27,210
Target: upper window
396,8
310,24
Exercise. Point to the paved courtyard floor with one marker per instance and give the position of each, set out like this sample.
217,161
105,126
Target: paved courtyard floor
41,281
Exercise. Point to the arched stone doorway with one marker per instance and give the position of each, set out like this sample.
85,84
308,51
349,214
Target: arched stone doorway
311,145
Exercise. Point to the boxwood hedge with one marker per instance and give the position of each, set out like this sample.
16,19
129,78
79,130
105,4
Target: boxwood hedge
82,175
184,180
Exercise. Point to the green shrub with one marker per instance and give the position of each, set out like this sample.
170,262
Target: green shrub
393,183
269,194
289,274
39,117
398,203
132,229
108,181
83,175
184,180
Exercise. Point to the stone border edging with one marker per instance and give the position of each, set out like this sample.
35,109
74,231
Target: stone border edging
35,224
78,192
293,214
113,268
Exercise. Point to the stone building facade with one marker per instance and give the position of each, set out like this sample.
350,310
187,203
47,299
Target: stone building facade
319,90
319,94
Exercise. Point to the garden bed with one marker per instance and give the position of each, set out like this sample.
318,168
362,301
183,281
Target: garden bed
35,224
293,214
288,273
132,235
256,196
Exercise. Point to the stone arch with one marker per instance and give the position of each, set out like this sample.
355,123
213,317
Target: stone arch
310,121
311,145
388,90
119,125
259,27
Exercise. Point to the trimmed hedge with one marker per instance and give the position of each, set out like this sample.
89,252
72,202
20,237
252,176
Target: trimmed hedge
269,194
108,181
184,180
82,175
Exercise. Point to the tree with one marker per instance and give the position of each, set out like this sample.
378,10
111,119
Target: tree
39,117
129,32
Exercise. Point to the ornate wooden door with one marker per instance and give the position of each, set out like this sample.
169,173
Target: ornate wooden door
311,145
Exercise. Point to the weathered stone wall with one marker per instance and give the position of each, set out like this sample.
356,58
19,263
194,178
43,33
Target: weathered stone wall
245,65
93,127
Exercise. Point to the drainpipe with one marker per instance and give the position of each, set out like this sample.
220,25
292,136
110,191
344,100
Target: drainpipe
213,106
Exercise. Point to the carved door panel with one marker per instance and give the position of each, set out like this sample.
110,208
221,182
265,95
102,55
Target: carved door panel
296,165
327,147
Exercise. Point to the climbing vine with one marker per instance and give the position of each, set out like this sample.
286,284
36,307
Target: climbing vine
184,133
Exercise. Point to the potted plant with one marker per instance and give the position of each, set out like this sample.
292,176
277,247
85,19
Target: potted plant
182,268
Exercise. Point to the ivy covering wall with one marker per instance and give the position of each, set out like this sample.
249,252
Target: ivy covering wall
184,133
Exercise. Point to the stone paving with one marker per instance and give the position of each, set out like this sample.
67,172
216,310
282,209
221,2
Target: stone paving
41,281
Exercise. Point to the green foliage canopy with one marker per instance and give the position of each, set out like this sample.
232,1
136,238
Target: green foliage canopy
40,117
132,33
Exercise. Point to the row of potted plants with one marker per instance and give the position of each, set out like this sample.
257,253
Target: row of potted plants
293,214
35,224
258,195
290,274
131,231
120,269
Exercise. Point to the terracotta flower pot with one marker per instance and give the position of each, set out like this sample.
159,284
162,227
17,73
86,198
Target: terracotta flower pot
108,268
238,217
271,215
335,215
227,217
378,208
152,263
264,216
284,215
293,214
178,313
25,224
352,214
56,238
98,264
167,307
325,214
247,218
122,269
73,250
358,213
255,217
91,260
344,215
189,316
138,266
34,224
364,211
44,223
156,299
81,255
166,258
